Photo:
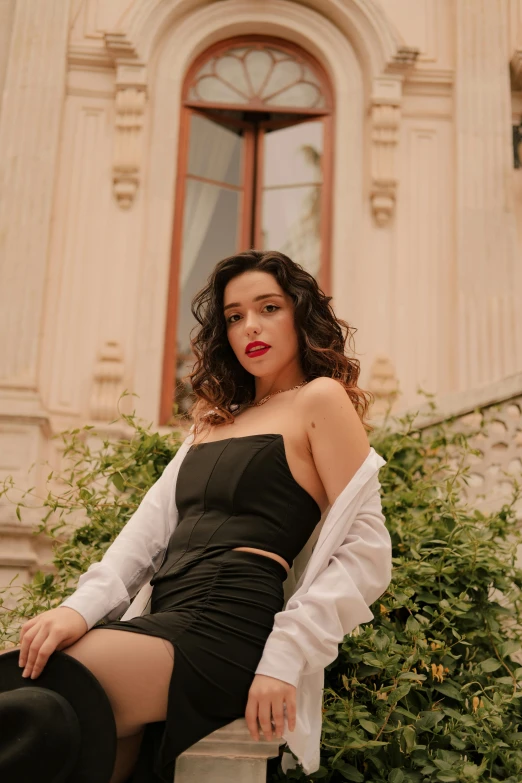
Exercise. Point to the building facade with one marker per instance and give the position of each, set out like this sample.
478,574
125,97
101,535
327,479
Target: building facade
377,142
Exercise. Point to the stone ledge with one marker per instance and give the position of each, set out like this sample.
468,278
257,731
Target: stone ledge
229,753
234,741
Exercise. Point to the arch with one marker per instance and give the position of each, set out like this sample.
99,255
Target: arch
376,41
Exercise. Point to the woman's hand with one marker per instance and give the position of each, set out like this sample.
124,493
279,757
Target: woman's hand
49,631
266,698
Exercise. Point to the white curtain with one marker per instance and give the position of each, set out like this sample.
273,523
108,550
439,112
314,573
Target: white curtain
210,153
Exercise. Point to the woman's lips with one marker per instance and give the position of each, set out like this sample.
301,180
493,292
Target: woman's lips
258,351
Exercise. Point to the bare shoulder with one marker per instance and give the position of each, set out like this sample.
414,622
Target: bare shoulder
338,439
323,389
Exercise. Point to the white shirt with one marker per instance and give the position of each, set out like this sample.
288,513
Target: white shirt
349,568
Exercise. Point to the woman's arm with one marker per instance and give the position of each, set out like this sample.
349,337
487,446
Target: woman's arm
306,634
107,587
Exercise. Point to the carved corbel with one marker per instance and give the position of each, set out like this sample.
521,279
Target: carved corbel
107,382
385,134
130,102
130,112
385,115
383,384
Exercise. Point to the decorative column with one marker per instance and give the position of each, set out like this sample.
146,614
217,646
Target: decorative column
488,275
29,134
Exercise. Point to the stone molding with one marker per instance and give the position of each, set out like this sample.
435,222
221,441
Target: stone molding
379,47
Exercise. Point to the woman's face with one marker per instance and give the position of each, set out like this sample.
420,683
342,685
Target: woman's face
256,308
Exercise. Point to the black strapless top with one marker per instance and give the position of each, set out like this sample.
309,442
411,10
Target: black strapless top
238,492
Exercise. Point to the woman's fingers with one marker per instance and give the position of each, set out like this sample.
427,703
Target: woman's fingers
251,717
27,627
264,713
278,715
267,699
26,642
32,652
46,649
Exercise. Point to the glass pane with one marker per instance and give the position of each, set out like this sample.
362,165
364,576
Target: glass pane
291,207
211,226
215,152
258,64
231,70
213,90
293,155
292,224
283,75
258,75
302,94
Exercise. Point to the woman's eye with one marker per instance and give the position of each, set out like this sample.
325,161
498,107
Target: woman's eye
230,321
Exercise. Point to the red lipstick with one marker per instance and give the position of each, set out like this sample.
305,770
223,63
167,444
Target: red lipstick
257,348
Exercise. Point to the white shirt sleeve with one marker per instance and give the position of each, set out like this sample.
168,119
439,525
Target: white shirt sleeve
105,590
307,632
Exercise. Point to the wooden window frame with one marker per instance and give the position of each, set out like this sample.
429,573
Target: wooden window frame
187,108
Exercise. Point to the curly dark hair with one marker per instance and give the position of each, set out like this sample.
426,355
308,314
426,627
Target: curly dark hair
218,380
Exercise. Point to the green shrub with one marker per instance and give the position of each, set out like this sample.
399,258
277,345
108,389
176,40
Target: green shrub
427,692
102,488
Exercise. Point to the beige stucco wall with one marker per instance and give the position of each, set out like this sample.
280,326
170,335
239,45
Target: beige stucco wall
427,207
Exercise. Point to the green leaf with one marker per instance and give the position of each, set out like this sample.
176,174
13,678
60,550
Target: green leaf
448,690
320,773
349,772
490,665
409,735
369,726
372,660
428,719
399,693
510,647
411,676
119,483
405,712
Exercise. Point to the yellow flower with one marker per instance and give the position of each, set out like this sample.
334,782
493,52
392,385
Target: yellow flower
437,672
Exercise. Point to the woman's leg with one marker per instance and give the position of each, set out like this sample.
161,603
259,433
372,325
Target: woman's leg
127,751
134,670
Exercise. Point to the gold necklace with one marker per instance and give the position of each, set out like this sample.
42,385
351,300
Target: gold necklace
251,404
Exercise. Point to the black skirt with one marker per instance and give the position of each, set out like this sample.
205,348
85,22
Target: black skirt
218,615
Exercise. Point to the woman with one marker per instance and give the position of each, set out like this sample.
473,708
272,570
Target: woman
278,436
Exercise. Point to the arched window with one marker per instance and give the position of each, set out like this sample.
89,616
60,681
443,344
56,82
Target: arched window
254,171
